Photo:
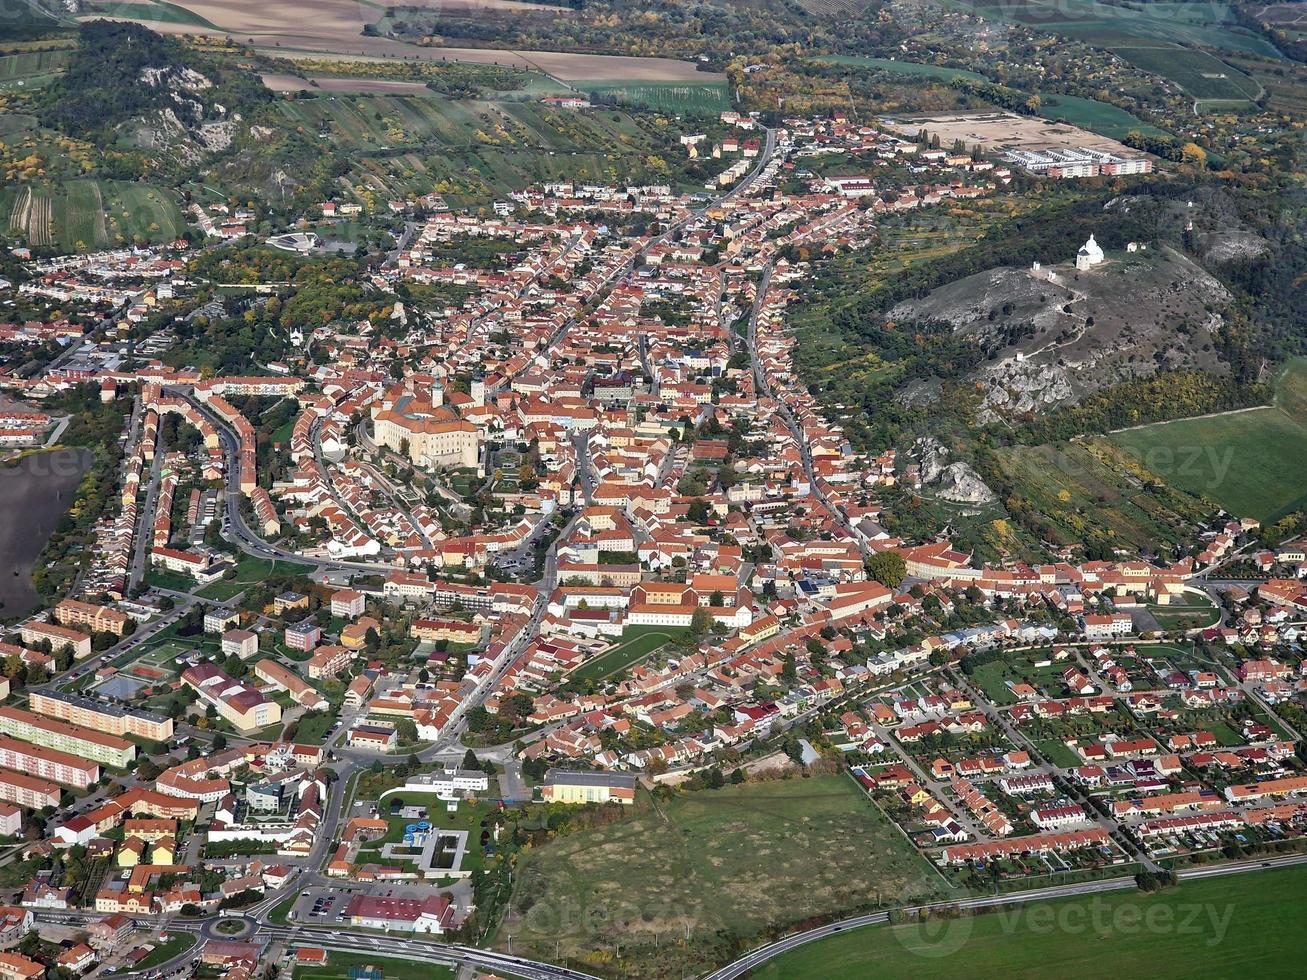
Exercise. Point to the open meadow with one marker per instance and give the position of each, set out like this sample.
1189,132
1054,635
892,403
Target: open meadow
1097,117
1201,75
1105,25
1244,925
717,866
1253,463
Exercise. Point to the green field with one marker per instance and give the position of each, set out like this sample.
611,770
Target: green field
164,578
470,151
1187,610
1106,25
31,67
1252,463
339,965
1058,754
177,944
718,865
88,214
1243,925
1200,74
636,645
148,10
992,678
914,68
249,570
1095,116
669,96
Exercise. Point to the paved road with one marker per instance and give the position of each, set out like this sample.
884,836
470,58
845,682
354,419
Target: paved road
238,532
145,521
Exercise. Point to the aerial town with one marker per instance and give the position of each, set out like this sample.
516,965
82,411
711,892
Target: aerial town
356,599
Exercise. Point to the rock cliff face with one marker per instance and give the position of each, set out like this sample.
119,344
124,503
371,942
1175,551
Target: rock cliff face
1053,335
960,484
956,483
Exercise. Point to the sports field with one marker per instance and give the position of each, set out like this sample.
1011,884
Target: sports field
1242,925
712,865
1252,463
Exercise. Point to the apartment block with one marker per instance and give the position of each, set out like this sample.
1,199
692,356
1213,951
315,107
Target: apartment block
108,750
97,619
61,767
28,791
243,643
347,603
112,719
59,638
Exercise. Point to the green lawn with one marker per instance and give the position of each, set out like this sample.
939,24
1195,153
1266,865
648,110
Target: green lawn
338,965
624,655
1252,463
992,679
178,943
1058,754
1188,611
1098,117
280,912
1244,925
724,864
250,570
467,818
163,578
312,729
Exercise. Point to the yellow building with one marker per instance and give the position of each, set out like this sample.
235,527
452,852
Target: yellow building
563,786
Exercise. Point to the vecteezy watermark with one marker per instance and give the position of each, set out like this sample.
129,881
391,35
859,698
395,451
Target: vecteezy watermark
936,933
46,464
1201,467
1203,922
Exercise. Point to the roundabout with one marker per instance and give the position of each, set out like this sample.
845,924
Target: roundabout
229,927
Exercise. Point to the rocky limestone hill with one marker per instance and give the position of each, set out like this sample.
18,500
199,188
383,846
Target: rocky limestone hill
1055,334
